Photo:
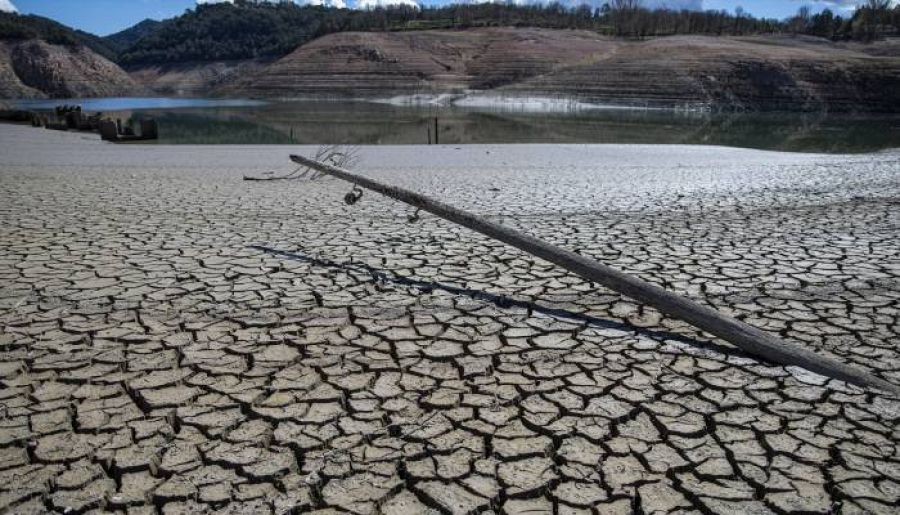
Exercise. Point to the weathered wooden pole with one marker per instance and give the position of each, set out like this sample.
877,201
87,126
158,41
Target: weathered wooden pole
741,334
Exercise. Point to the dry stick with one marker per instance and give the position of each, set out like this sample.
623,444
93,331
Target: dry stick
741,334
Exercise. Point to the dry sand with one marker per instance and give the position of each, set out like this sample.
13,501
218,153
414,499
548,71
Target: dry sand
155,358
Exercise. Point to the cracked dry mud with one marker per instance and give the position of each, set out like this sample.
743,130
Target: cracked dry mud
175,340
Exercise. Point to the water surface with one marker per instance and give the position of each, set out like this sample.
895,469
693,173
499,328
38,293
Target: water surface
119,104
235,121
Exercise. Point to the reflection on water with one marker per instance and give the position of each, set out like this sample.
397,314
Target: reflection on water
308,122
125,103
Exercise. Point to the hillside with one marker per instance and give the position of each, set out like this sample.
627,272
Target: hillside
195,78
18,27
753,73
248,29
123,40
37,69
214,32
287,51
42,58
389,63
768,74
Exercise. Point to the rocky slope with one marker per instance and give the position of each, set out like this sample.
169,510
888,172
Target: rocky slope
439,61
783,74
36,69
195,79
794,74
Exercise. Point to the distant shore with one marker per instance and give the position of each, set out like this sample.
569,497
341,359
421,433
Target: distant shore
511,68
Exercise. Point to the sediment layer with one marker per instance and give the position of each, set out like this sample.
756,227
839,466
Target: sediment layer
692,72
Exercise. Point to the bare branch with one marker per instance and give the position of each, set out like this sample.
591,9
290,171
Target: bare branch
342,156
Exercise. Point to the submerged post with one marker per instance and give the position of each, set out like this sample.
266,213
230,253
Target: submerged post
749,338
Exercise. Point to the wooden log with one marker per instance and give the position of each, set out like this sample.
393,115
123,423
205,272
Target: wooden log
751,339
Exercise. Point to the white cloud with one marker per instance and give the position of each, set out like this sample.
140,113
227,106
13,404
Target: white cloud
845,5
694,5
340,4
7,6
372,4
650,4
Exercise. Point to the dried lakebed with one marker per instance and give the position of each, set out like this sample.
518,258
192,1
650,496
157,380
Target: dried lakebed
177,340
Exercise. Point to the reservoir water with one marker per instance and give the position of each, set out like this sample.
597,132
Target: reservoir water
240,121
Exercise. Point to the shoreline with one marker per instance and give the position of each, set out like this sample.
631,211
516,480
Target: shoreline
471,99
712,147
519,103
656,148
466,100
195,122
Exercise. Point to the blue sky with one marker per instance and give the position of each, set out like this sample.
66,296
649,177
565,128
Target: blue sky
107,16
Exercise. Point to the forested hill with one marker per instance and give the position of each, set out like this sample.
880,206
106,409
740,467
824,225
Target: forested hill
121,41
245,30
223,31
19,27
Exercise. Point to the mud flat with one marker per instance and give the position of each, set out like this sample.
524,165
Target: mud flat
174,339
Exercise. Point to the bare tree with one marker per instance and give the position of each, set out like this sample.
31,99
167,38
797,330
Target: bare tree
872,16
627,5
626,15
336,155
878,5
801,21
738,18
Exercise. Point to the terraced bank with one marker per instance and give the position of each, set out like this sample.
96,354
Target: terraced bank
176,340
511,64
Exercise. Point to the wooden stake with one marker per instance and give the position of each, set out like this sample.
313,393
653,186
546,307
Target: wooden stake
749,338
